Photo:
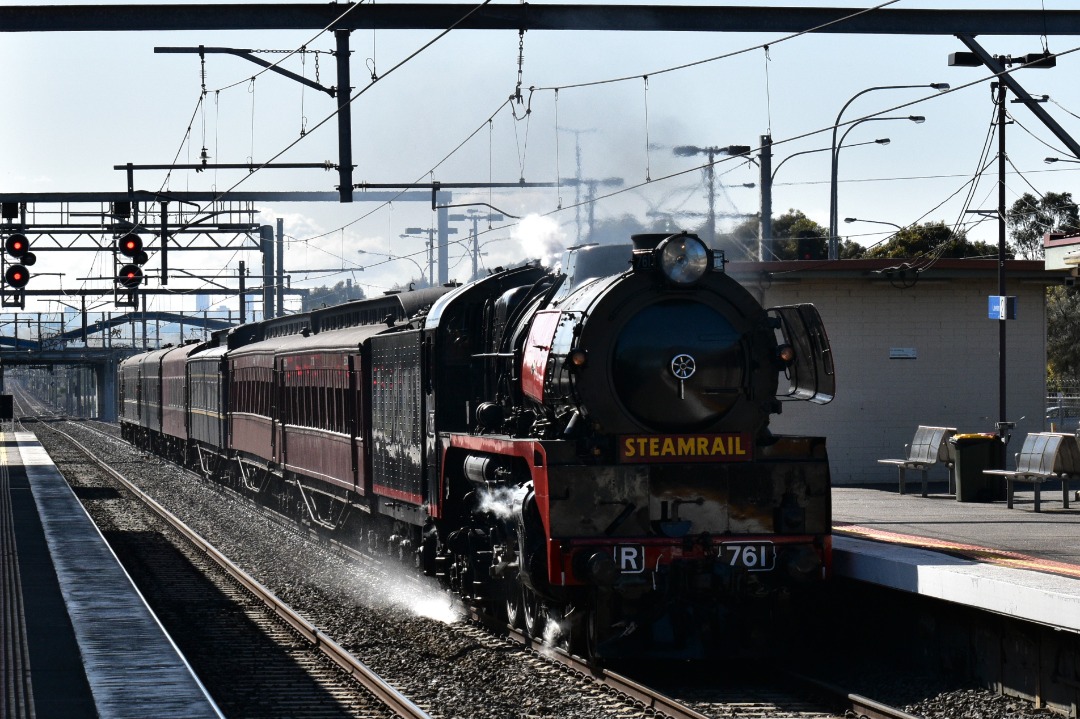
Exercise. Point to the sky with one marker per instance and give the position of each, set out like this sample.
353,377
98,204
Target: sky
79,103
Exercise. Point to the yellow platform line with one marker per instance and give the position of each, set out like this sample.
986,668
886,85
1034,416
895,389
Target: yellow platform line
998,557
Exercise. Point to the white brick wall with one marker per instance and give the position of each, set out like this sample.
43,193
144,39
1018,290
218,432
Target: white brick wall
953,382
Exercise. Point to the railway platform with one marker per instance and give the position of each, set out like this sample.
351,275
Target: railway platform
76,637
1014,562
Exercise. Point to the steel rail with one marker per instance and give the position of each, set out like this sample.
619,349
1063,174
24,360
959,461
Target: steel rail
391,697
860,706
649,699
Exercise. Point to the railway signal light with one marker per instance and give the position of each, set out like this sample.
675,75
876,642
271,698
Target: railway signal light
128,259
18,246
130,276
810,248
131,246
16,276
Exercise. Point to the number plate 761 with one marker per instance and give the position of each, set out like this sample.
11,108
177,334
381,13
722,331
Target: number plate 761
751,556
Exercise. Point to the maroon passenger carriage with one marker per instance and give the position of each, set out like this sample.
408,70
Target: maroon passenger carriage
588,446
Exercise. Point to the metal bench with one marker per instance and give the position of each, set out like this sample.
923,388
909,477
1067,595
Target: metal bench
929,447
1045,456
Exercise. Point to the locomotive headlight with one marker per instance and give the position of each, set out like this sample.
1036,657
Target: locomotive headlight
683,259
577,358
786,354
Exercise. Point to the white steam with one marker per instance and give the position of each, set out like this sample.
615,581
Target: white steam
498,501
540,237
418,595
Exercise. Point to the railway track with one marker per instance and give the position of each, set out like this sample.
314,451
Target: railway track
623,695
328,695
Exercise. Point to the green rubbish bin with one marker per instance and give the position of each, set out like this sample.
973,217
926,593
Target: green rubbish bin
972,453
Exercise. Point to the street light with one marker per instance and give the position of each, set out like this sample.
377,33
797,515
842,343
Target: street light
711,152
768,175
834,230
879,141
997,64
874,222
833,214
1052,160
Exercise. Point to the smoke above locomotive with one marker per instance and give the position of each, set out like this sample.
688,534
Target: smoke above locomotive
588,445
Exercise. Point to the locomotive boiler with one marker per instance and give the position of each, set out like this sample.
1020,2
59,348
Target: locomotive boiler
585,451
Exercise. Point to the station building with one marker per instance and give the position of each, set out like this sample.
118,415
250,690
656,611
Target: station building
912,346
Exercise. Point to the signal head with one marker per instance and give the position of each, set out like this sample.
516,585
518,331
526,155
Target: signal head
16,276
17,245
130,276
132,246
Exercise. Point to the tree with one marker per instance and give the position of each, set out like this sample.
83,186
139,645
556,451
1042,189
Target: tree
1030,218
740,245
1063,333
325,296
787,229
931,237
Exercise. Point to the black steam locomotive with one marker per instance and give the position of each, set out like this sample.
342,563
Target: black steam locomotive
585,450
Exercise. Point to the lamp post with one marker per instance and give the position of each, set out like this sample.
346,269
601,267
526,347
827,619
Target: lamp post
879,141
430,231
832,196
899,229
768,174
874,222
710,174
475,216
834,230
998,64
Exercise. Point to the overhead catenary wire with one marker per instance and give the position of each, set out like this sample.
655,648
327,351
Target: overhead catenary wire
885,4
602,197
531,90
352,98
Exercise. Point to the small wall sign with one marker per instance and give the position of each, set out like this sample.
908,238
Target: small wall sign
1002,307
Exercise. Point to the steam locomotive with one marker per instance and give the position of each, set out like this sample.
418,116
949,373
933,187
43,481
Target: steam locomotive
584,451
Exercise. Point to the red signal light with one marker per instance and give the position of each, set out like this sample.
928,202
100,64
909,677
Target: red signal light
16,276
132,246
130,276
18,246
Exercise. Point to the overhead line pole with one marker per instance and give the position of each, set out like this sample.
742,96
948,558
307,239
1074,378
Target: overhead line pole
344,118
998,68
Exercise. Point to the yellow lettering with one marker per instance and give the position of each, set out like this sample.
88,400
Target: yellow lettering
704,446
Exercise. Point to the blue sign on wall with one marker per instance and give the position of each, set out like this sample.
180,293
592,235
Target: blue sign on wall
1002,307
